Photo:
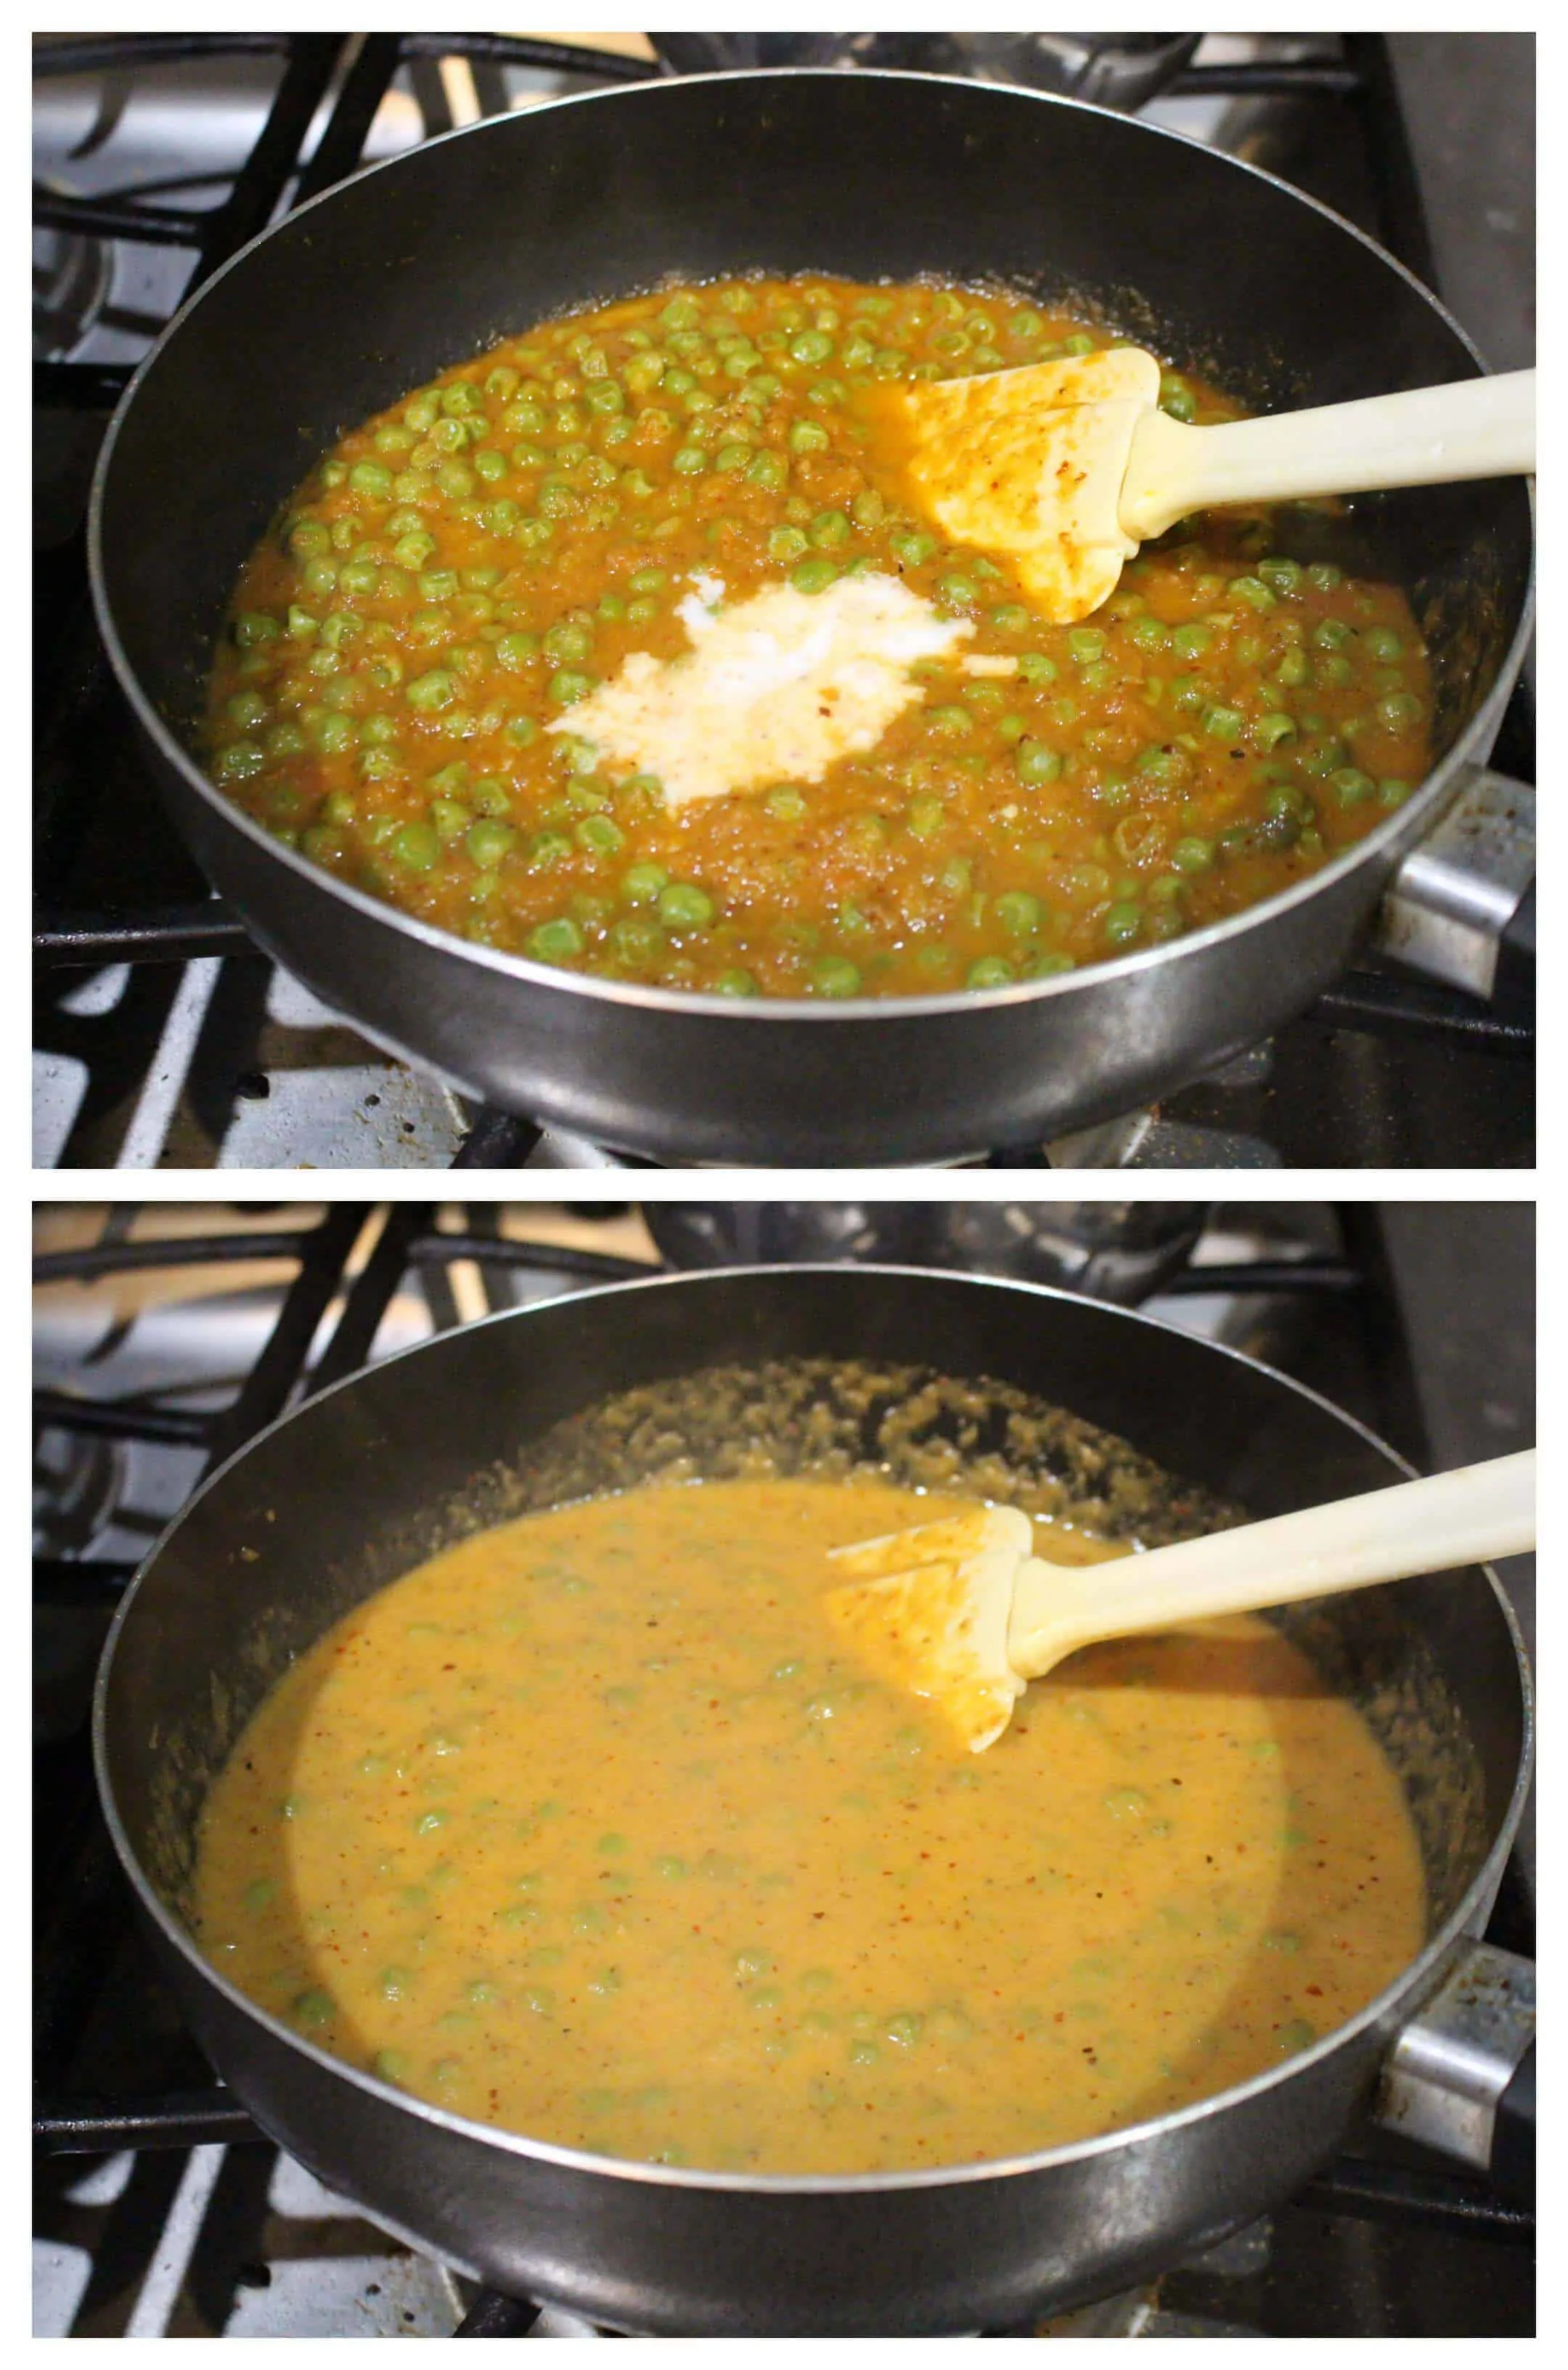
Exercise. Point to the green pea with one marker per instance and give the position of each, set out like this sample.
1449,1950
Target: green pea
432,692
566,687
808,436
956,591
954,722
1192,855
556,940
1018,912
1226,724
1191,641
488,843
515,651
1399,711
1123,923
1268,732
1176,397
1351,787
1282,576
990,970
1324,576
787,543
811,346
904,2029
1086,644
1149,634
925,817
834,975
912,550
312,2008
771,471
642,883
684,906
598,836
569,641
1331,634
813,575
1293,671
736,982
830,530
254,627
1036,763
1252,590
648,580
1034,666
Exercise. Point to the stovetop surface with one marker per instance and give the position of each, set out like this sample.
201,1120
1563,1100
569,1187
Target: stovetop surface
224,1062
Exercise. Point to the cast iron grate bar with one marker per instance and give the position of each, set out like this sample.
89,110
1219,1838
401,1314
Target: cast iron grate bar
105,218
123,1420
179,1250
178,2119
495,1250
117,50
1265,1275
281,1364
370,1296
158,934
522,49
341,147
314,59
1433,2201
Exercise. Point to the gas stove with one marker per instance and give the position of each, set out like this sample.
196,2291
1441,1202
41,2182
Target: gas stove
164,1038
167,1335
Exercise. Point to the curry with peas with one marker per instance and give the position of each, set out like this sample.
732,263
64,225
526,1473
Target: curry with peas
592,1829
505,661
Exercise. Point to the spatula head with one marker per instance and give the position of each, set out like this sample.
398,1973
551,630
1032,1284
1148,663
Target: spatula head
928,1609
1030,462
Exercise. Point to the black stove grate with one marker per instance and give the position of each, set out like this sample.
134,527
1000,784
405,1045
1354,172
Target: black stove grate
83,1909
82,916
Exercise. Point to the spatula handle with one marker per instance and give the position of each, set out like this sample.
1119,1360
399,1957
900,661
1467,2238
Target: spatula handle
1430,1526
1435,435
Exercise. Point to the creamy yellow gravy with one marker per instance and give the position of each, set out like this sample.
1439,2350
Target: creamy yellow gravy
588,1828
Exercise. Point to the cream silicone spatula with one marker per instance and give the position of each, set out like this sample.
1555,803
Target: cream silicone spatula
1066,466
962,1612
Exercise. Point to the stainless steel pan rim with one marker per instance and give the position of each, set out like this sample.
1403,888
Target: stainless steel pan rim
1386,842
1387,2009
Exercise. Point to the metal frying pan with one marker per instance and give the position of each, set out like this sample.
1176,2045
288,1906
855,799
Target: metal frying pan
370,1477
421,262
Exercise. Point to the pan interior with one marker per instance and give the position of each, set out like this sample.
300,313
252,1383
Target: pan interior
424,264
833,1418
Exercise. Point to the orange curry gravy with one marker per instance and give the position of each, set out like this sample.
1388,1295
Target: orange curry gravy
588,1829
461,578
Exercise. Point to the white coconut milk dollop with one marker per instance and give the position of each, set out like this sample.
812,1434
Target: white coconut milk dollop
777,688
